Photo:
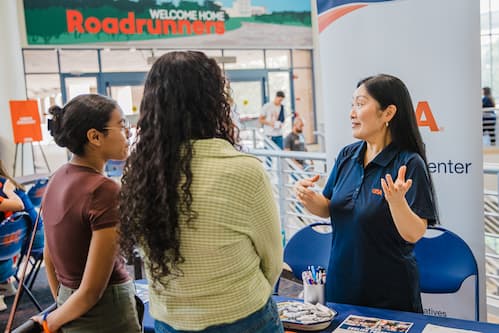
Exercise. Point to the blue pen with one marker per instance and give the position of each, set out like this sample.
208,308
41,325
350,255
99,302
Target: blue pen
313,273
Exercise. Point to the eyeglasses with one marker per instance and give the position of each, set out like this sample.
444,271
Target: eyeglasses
124,126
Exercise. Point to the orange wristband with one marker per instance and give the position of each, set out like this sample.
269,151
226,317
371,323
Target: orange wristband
45,325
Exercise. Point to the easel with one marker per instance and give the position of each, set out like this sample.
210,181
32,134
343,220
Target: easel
32,155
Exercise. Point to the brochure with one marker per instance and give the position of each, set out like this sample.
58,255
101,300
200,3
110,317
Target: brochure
372,325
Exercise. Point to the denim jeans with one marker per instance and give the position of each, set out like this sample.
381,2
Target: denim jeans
278,141
265,320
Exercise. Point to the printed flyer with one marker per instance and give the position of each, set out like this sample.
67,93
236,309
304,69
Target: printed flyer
372,325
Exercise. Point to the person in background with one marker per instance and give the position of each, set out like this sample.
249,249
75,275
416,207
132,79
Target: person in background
272,119
295,141
202,212
86,274
10,202
489,116
380,199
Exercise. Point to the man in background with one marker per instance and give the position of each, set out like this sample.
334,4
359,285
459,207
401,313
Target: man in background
295,141
272,119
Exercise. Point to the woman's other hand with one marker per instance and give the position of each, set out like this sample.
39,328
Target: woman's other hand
395,191
315,202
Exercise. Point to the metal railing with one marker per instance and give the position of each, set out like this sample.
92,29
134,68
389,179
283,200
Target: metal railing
489,126
284,172
491,222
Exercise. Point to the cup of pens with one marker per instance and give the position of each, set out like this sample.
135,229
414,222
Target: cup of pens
314,282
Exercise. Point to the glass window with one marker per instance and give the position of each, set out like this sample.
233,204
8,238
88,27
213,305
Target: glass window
485,16
277,58
41,61
42,85
80,85
247,59
302,58
79,61
129,60
304,101
486,61
247,98
494,16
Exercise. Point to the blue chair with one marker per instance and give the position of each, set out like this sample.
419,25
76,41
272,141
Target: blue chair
114,168
306,248
35,193
445,262
13,231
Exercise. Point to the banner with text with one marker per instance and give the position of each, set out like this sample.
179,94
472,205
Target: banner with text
25,121
235,23
439,60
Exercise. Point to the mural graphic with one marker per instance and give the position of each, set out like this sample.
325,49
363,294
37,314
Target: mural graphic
110,21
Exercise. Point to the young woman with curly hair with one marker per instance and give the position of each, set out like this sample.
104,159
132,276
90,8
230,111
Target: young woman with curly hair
201,211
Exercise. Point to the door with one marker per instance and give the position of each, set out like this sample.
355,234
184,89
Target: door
249,91
127,89
73,85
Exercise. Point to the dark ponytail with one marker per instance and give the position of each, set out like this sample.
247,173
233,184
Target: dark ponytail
55,124
70,124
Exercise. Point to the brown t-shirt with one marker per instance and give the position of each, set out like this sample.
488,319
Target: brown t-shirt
79,200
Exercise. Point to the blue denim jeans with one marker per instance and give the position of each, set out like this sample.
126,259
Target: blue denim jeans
265,320
278,141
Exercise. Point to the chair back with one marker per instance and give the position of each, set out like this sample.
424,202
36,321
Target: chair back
309,246
114,168
35,193
448,275
13,231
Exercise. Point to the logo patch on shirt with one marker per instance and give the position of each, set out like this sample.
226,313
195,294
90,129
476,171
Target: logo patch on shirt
377,191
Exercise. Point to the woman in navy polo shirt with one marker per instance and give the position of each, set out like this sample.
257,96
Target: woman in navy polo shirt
380,199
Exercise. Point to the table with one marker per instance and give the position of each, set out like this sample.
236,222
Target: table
344,310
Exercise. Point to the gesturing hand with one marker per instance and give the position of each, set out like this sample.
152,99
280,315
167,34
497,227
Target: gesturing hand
395,191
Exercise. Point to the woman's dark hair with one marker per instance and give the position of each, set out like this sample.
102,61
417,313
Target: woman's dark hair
70,124
5,174
390,90
184,100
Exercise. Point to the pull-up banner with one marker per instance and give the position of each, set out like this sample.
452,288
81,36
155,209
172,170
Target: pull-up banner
223,23
434,47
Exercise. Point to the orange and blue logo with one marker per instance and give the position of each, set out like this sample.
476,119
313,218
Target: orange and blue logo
331,10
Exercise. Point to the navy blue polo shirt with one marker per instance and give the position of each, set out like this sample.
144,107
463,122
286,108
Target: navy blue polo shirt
371,264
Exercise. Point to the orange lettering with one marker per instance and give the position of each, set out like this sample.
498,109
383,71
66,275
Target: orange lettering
140,25
156,30
186,24
74,21
127,25
110,25
220,27
169,26
93,25
424,116
198,27
209,25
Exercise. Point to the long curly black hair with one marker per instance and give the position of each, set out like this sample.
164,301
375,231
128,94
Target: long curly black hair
184,100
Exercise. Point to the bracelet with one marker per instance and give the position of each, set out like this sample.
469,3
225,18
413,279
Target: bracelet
45,325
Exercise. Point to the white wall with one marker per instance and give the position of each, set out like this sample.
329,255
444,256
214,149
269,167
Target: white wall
12,84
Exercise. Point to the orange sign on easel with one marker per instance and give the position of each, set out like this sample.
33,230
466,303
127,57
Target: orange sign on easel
25,121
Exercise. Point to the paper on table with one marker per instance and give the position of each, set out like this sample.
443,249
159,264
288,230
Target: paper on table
429,328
